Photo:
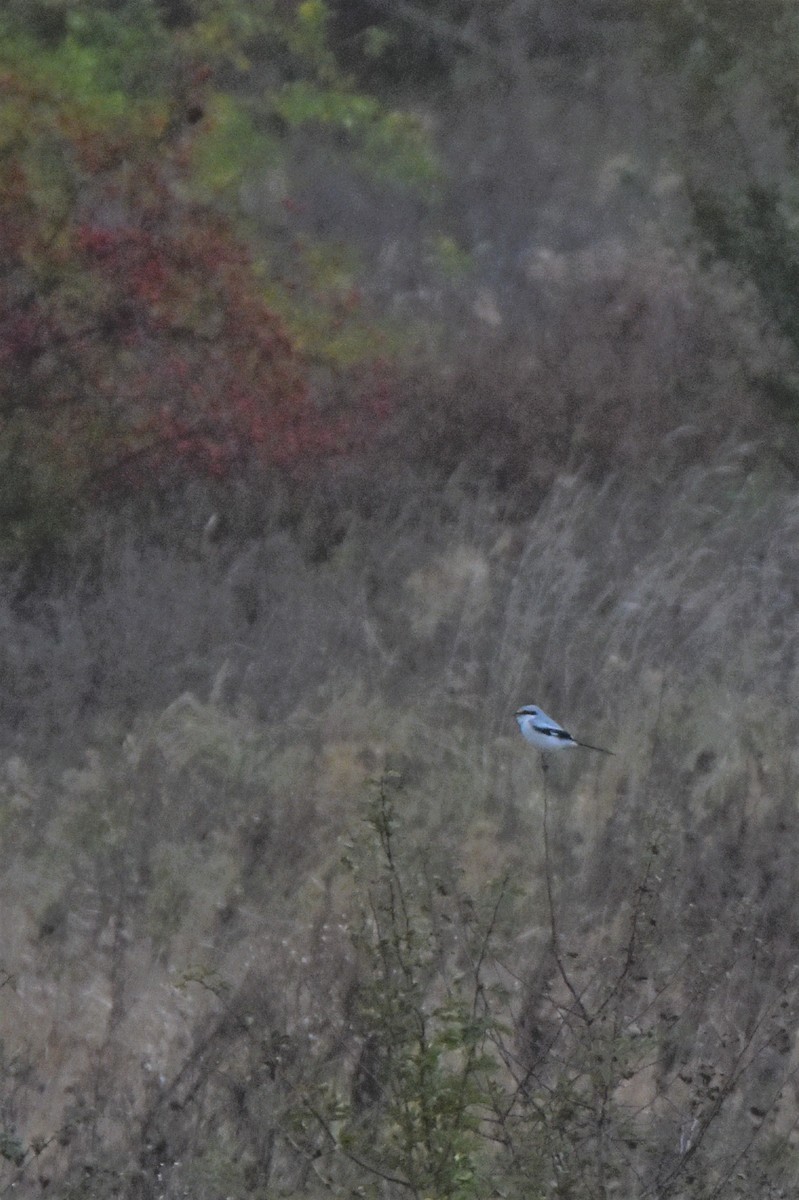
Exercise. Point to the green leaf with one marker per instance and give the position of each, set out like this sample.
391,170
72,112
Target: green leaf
229,146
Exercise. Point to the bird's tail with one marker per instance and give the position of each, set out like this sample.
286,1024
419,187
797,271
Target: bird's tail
601,749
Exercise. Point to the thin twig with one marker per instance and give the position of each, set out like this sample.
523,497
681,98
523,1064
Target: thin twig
359,1162
553,923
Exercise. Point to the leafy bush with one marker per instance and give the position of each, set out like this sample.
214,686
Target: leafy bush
138,343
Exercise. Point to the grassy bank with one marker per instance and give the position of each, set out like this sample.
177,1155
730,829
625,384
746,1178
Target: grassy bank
192,976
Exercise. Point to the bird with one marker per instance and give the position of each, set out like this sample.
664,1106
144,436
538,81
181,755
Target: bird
545,734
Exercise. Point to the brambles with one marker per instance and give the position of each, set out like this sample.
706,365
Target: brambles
593,1063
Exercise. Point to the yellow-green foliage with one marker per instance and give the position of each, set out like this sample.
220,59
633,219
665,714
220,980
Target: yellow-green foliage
230,147
451,258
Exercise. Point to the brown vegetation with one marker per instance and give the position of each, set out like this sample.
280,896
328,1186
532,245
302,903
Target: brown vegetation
181,976
289,909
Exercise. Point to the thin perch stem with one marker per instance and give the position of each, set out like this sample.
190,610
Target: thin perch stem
553,922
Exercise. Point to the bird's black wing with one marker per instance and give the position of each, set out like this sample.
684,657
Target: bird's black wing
557,735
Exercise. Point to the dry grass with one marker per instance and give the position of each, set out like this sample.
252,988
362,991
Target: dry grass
173,898
190,722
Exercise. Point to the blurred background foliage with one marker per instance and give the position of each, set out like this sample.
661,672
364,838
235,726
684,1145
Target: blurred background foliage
367,369
127,138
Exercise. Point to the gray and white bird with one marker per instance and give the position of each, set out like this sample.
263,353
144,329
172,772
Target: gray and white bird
545,734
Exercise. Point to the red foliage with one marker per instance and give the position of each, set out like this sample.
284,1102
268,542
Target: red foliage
137,326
